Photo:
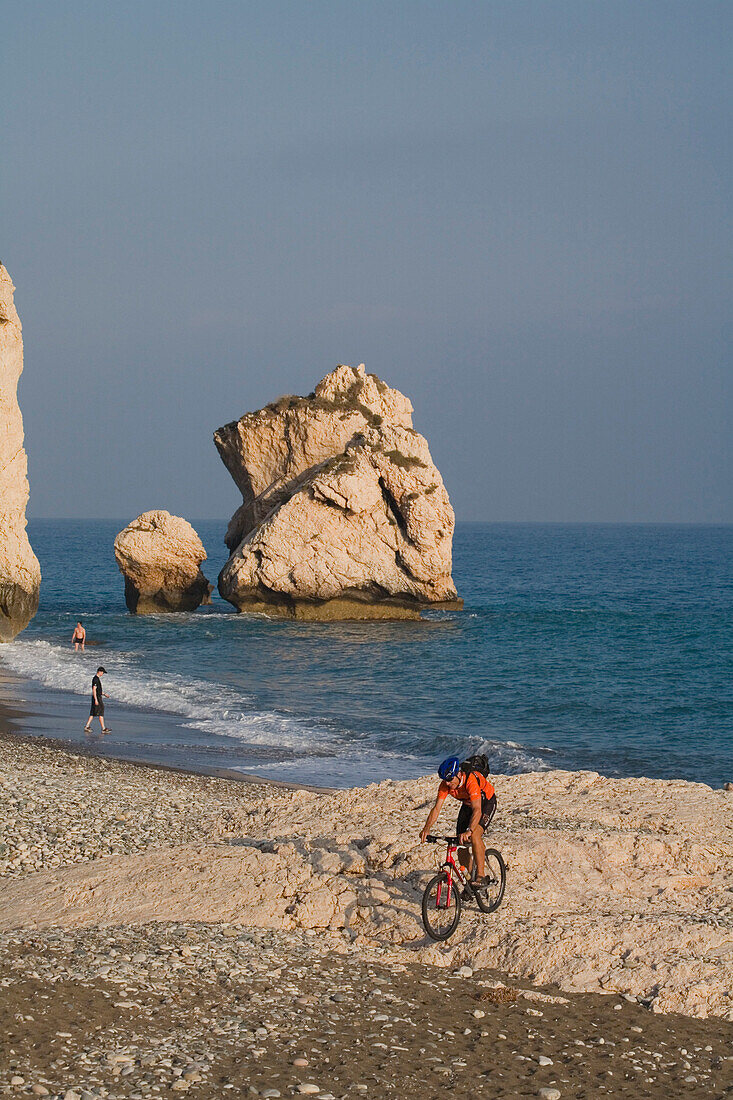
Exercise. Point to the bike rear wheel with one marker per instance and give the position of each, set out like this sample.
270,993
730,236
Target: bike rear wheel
490,898
441,907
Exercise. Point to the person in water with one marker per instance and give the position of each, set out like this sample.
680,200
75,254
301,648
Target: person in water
98,697
79,637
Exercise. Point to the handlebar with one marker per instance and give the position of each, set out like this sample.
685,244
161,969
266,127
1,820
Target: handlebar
449,839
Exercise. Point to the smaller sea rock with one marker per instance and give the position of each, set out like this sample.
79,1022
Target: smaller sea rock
160,557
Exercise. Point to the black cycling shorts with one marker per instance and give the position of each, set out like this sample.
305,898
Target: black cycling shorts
488,809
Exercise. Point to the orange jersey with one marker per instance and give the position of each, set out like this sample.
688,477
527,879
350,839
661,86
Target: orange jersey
470,789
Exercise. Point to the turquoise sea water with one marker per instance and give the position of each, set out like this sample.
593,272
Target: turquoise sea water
602,647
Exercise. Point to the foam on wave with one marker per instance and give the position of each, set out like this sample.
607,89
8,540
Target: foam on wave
218,710
210,707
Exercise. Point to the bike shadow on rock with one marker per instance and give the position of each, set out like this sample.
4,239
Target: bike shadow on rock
333,885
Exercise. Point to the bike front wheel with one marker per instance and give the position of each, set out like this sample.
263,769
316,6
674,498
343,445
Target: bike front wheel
441,907
490,897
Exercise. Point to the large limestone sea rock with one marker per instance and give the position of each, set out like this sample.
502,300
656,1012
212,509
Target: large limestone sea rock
344,514
20,573
160,557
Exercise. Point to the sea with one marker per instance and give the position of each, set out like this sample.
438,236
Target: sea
601,647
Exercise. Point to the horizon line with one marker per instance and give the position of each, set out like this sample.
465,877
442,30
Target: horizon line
497,522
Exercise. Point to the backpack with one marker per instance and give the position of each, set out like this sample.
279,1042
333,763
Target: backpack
478,764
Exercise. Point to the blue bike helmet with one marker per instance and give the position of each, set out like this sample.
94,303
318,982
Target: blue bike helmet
450,768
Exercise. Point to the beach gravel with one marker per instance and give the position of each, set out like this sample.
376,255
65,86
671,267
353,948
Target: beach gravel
201,1010
107,1000
621,886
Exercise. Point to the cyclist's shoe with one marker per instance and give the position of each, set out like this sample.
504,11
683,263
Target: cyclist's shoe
484,883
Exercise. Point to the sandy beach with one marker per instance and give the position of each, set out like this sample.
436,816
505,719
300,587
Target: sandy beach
167,931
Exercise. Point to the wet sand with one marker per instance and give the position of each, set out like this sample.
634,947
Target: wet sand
138,735
57,725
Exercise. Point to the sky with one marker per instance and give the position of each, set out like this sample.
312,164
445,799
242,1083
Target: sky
515,212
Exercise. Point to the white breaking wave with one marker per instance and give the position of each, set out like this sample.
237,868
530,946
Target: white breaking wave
212,708
509,757
217,710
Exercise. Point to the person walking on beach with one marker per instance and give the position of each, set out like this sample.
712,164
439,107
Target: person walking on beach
98,697
79,637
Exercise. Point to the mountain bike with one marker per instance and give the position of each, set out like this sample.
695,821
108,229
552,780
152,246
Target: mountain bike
442,901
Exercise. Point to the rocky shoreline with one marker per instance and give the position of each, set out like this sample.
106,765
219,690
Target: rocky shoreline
163,931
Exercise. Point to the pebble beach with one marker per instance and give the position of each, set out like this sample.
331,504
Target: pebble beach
300,995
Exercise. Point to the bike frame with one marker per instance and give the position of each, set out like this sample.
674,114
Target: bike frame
451,866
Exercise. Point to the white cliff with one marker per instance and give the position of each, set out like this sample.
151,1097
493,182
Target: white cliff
20,573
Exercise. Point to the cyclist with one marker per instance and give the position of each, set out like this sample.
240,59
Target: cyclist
478,796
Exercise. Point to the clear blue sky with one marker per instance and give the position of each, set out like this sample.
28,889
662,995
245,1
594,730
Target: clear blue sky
516,212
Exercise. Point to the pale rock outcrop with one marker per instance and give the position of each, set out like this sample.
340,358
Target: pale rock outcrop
267,451
160,558
20,573
344,514
618,886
